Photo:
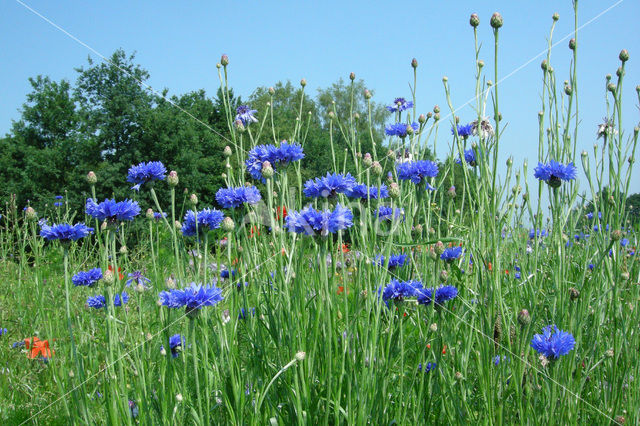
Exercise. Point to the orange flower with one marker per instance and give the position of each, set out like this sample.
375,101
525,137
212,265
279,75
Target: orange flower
281,210
38,347
490,266
345,248
256,230
119,273
444,350
428,345
340,289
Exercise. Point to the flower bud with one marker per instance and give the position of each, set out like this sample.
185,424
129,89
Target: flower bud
356,116
227,224
409,130
414,63
617,235
433,327
104,225
173,178
609,353
108,277
178,225
620,420
367,160
170,283
451,192
124,250
572,44
574,293
544,65
624,55
458,376
224,60
92,178
30,214
429,115
444,276
239,126
611,200
422,119
436,109
439,248
474,21
227,151
352,76
619,72
267,170
496,20
163,351
303,82
300,355
480,63
625,276
568,90
149,214
436,117
394,190
445,79
509,162
611,87
556,16
376,168
193,199
524,318
179,397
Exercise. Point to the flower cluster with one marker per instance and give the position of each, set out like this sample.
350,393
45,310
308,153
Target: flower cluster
201,222
399,290
308,221
400,130
231,198
416,171
195,296
87,278
553,342
64,232
365,192
276,156
112,211
146,172
329,185
399,105
554,173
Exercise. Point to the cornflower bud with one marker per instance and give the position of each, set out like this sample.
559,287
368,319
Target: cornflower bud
172,179
92,178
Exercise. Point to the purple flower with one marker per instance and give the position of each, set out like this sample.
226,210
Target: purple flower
399,290
87,278
417,171
246,115
146,172
554,173
395,260
65,232
235,197
137,278
308,221
193,297
464,130
399,105
553,342
207,220
364,192
329,185
400,129
113,211
452,253
443,293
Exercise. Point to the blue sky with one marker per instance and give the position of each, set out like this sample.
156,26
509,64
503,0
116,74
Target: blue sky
322,41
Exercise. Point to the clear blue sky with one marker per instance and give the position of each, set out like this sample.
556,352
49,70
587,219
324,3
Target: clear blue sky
270,41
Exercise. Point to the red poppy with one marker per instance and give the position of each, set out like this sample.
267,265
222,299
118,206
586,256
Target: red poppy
345,248
444,350
428,345
281,210
119,271
254,229
38,347
490,266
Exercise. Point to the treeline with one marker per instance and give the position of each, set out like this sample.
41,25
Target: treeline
107,121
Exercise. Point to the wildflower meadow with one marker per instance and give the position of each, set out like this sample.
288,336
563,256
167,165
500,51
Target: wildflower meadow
388,286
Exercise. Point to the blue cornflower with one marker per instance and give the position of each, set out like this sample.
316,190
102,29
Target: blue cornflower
443,293
364,192
121,299
553,342
416,171
452,253
96,302
591,266
399,105
517,275
176,343
469,157
287,153
400,129
428,367
64,232
133,408
399,290
329,185
244,313
57,204
146,172
87,278
246,115
590,215
308,221
208,219
225,273
624,242
3,331
497,359
157,216
464,130
554,173
395,260
59,197
137,278
276,156
113,211
533,233
231,198
388,213
195,296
